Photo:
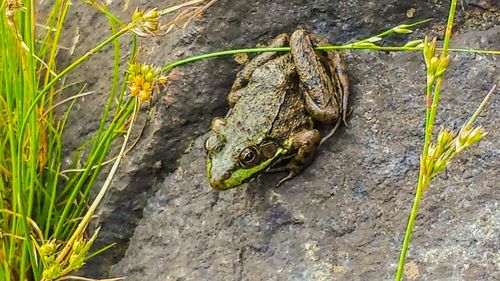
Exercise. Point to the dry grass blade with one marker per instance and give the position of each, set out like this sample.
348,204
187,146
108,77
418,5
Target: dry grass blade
88,279
187,15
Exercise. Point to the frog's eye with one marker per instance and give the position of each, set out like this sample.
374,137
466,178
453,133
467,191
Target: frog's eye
249,157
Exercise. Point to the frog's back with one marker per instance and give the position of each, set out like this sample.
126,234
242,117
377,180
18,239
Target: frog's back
272,105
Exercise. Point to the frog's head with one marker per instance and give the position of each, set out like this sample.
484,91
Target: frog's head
231,161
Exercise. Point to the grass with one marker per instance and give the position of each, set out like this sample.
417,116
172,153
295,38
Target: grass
436,156
45,210
41,212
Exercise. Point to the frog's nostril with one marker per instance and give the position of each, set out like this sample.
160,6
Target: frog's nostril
226,176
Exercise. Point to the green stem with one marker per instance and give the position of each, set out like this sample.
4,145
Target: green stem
423,182
352,46
222,54
432,118
449,28
437,87
68,69
409,230
323,48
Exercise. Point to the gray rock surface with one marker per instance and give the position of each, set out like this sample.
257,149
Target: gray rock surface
344,217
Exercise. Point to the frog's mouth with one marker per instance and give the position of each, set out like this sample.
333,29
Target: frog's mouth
240,175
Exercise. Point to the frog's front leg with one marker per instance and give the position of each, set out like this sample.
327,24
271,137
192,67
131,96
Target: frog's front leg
323,78
304,143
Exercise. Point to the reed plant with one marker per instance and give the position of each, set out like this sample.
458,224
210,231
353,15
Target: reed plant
45,208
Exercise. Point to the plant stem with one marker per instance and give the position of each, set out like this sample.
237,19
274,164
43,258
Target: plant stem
423,181
409,229
69,68
86,218
449,28
323,48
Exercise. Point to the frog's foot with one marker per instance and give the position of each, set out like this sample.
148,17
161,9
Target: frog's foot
322,76
337,125
244,75
330,134
234,96
305,144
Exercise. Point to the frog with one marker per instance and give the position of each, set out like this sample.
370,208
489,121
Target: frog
277,104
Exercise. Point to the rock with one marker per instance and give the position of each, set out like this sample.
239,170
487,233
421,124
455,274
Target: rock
344,217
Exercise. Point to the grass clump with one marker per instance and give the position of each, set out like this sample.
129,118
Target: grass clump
44,211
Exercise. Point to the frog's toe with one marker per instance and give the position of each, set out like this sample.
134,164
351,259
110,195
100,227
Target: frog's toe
330,134
292,173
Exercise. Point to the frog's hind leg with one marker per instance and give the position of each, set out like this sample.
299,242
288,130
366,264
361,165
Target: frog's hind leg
244,75
323,77
305,144
338,68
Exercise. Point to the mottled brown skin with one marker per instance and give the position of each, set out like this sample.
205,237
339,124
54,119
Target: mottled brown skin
275,101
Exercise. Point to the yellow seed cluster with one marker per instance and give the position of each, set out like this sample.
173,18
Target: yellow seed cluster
448,146
54,266
142,77
146,22
469,136
436,65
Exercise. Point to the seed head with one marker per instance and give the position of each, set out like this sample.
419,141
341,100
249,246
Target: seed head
142,78
147,22
444,138
475,136
439,166
429,50
442,64
48,248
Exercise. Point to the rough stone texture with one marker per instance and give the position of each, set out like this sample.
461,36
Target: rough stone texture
344,217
